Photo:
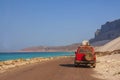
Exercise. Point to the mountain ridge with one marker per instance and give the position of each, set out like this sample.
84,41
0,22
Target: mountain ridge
108,32
66,48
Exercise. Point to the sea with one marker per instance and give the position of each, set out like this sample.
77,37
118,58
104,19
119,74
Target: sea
28,55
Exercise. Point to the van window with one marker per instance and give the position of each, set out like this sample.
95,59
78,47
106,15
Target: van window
85,51
82,51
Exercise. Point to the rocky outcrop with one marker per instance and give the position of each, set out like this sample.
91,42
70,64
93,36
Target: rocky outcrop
108,31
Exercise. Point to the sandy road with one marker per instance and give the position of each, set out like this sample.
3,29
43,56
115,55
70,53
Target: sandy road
58,69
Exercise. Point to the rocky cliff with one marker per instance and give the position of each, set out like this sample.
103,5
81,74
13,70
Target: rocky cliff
108,31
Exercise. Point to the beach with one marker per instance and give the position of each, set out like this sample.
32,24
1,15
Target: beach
10,64
17,59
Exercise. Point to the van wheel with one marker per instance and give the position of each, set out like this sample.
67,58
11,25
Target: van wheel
94,65
76,65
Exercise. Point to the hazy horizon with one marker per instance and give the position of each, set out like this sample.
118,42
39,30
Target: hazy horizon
27,23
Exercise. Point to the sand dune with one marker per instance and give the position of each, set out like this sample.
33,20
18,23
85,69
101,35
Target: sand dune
110,46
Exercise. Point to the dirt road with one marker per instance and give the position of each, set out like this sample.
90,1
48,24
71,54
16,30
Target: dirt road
58,69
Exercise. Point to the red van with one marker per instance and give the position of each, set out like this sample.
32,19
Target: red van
85,55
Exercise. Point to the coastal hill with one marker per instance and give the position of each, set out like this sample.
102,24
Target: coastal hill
67,48
108,32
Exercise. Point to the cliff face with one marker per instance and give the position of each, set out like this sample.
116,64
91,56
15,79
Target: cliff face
108,31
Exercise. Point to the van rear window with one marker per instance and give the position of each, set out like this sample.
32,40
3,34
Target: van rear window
85,51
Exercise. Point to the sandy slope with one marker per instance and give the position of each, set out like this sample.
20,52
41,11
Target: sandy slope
110,46
100,43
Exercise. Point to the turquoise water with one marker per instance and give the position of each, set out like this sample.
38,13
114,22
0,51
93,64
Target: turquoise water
27,55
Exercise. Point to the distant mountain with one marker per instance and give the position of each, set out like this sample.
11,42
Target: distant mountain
108,32
67,48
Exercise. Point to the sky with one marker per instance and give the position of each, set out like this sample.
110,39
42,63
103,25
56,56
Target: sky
28,23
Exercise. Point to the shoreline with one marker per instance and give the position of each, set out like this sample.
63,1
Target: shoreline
11,64
29,55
